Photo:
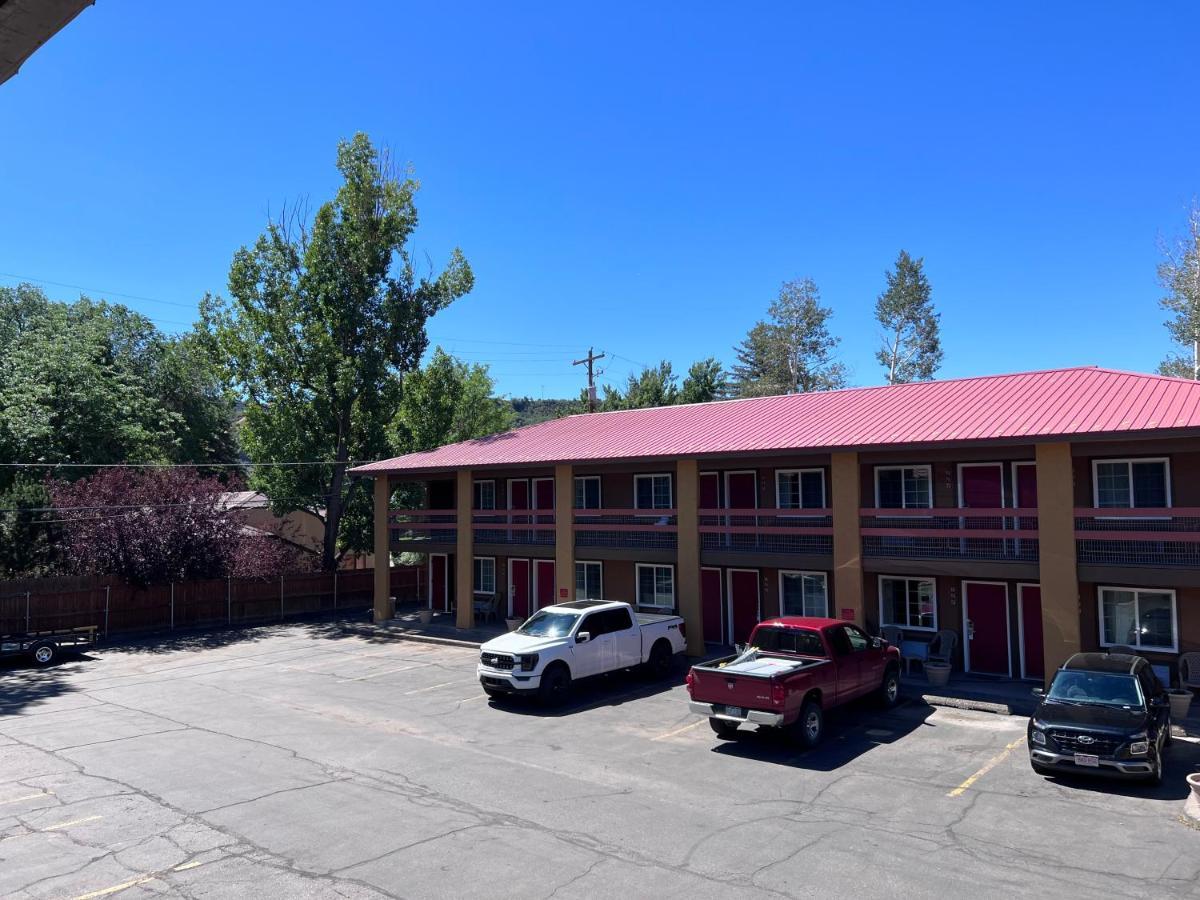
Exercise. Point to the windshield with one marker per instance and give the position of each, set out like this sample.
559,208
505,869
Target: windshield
1104,688
549,624
789,640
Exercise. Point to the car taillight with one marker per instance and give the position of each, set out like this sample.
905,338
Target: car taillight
689,682
683,630
778,693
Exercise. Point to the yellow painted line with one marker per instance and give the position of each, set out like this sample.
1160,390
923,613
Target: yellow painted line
26,797
671,734
104,892
987,767
186,866
72,822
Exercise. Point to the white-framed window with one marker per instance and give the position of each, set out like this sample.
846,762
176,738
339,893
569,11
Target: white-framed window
1143,618
485,494
803,594
908,602
589,580
655,586
587,491
800,488
1131,483
652,492
903,487
485,575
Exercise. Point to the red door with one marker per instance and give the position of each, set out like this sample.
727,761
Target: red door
1033,662
518,499
711,606
439,596
741,493
985,609
518,588
743,602
1025,487
543,579
982,486
710,490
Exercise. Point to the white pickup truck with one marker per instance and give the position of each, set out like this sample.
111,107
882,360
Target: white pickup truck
560,644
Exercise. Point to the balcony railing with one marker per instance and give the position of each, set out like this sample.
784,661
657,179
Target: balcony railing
513,526
767,530
635,529
435,526
1138,537
982,534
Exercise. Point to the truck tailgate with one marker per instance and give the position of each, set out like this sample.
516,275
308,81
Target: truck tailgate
746,684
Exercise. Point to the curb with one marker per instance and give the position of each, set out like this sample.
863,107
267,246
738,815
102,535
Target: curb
988,706
415,636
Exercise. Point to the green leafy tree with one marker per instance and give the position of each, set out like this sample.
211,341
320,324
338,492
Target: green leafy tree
911,349
29,536
705,381
323,322
655,386
1179,275
445,402
792,351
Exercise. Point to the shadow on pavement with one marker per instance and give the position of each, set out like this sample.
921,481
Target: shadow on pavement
1181,759
611,689
23,685
850,731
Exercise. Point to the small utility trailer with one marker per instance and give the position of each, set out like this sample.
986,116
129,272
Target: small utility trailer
44,647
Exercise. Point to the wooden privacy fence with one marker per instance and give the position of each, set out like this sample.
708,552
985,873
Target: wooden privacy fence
114,607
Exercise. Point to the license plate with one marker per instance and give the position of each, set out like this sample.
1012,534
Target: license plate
1087,759
735,711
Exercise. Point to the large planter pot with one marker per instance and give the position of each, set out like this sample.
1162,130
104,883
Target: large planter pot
1180,702
425,615
1193,781
938,674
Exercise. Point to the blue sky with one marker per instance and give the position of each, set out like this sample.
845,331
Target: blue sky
637,177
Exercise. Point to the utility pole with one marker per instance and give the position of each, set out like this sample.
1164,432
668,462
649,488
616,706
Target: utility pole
588,361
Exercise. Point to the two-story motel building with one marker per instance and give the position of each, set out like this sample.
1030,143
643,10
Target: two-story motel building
1035,514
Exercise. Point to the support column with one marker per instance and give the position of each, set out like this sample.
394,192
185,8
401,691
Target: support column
383,554
464,551
845,491
687,570
1059,574
564,533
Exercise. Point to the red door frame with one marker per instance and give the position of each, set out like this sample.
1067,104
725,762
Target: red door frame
714,614
732,602
992,648
1029,625
543,583
513,611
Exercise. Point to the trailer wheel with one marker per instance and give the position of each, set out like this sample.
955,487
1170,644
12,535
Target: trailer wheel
723,728
44,652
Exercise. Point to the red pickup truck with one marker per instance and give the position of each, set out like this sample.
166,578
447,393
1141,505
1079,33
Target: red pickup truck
791,671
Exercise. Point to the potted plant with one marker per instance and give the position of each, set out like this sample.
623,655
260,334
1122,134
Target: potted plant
937,673
1181,699
425,614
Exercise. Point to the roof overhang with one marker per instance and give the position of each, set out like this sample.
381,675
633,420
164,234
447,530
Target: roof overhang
27,24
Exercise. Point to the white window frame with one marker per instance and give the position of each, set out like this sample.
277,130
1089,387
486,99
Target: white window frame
800,473
1129,461
477,484
670,484
932,580
928,469
1153,648
599,564
476,590
599,490
824,576
637,585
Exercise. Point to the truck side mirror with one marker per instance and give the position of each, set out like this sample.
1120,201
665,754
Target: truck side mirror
583,637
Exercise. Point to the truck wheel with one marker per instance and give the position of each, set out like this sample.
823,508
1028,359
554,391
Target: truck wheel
889,691
555,686
43,652
659,664
723,729
810,727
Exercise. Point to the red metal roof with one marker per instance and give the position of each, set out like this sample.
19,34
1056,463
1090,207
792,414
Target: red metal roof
1025,405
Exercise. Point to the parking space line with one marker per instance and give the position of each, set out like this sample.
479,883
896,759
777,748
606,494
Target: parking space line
27,797
187,865
987,767
72,822
670,734
388,672
104,892
433,687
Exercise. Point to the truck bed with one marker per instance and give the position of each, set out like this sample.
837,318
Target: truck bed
764,666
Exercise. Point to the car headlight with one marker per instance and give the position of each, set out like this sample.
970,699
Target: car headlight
1039,738
1139,744
529,662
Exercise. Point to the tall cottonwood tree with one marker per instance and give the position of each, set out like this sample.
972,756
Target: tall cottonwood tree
911,348
792,351
1179,275
323,322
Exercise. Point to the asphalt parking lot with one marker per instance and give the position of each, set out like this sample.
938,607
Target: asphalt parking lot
303,761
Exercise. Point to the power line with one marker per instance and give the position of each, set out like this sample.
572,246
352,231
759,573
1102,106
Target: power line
79,287
188,465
